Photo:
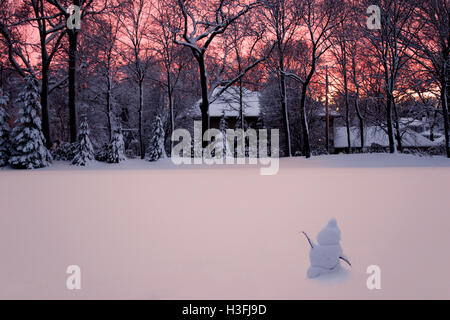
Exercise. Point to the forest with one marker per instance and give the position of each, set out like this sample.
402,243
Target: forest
106,80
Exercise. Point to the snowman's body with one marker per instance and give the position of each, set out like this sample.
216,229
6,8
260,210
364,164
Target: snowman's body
325,256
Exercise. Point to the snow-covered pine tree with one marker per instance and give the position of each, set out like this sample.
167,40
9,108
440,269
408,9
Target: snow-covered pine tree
84,152
28,149
156,150
4,130
116,148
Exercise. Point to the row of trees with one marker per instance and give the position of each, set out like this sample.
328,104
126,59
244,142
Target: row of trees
170,52
24,146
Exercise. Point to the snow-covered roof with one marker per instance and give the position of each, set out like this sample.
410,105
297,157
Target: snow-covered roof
228,103
427,134
376,135
411,122
331,112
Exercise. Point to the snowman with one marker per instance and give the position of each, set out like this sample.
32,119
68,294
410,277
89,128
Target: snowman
326,255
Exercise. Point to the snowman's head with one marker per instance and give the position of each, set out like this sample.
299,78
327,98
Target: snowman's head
330,235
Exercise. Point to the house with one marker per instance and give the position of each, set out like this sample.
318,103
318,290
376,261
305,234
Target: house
376,137
424,127
414,124
333,116
227,105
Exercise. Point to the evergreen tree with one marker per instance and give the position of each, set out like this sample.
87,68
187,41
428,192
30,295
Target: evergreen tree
116,147
28,149
156,149
84,152
4,131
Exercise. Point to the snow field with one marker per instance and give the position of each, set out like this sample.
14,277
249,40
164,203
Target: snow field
154,231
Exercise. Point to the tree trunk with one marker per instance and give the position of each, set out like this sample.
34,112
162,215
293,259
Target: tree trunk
241,104
44,105
433,125
72,34
204,105
284,108
45,65
398,134
304,123
347,108
358,111
141,116
171,115
108,104
360,118
390,129
327,113
444,100
361,122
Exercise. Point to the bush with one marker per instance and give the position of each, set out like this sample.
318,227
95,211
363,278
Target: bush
64,152
319,151
102,153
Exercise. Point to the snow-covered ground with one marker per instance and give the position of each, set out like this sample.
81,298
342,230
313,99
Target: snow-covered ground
156,231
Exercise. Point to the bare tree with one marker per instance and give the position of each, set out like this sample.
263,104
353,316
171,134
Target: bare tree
346,51
431,47
319,18
356,78
106,40
242,45
86,8
202,23
168,52
135,23
51,29
13,41
389,46
341,52
283,22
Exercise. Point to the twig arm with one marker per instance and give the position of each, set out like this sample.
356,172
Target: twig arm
309,240
343,258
